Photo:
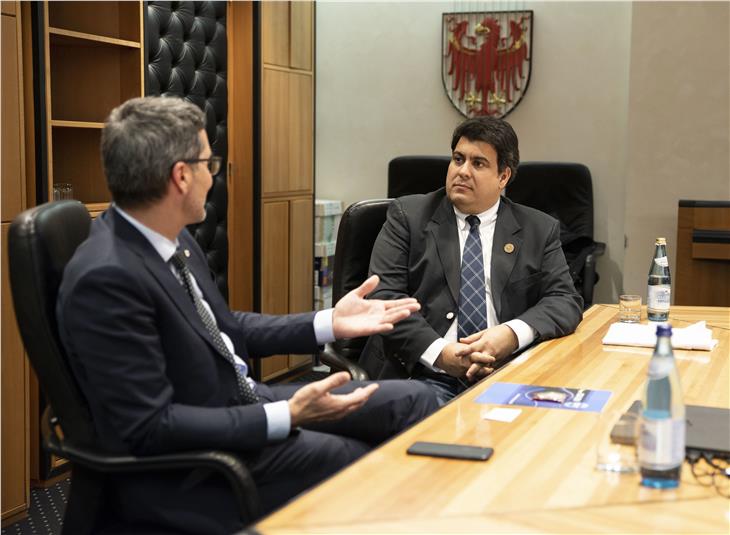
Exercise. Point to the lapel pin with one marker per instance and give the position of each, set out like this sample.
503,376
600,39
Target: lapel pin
508,248
186,252
450,316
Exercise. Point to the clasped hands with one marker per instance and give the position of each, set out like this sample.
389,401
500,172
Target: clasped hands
473,357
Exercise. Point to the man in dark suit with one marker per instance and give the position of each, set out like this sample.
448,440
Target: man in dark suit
490,274
163,362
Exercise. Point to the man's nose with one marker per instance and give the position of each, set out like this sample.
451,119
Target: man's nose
465,169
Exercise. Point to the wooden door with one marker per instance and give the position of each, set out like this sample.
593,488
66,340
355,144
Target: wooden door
14,420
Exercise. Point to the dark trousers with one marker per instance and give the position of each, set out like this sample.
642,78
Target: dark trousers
443,386
200,501
308,456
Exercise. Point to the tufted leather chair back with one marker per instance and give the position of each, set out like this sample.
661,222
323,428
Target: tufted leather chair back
564,190
186,48
416,174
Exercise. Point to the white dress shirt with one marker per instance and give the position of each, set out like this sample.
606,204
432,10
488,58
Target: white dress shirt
525,334
278,417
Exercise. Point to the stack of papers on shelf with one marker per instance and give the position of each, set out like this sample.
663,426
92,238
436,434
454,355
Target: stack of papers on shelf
696,336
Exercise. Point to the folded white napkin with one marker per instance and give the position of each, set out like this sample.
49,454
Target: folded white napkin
696,336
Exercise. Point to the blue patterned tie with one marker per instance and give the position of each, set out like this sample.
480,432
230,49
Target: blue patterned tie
244,389
472,294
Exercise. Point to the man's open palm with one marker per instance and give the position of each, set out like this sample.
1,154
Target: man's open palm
356,316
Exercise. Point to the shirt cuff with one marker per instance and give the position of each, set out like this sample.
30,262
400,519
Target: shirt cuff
525,334
432,353
278,420
323,329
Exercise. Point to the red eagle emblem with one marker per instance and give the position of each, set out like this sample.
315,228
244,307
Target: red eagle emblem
484,71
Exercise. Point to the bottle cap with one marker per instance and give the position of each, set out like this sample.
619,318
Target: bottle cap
661,241
664,329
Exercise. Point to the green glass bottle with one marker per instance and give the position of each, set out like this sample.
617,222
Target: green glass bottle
659,290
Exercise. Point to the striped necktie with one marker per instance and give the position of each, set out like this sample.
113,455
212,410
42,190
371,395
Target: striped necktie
244,389
472,292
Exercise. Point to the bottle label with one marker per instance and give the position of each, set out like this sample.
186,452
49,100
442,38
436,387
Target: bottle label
661,443
659,297
662,261
660,367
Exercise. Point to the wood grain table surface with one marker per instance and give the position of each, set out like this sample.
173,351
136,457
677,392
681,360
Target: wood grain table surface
542,475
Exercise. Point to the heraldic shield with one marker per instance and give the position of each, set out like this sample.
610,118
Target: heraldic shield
486,60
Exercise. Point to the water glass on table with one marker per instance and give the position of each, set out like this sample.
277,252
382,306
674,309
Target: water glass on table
616,433
629,308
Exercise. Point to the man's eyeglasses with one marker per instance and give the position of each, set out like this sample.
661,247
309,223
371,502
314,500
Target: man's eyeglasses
213,163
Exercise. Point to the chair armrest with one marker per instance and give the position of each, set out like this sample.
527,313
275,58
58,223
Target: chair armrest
599,249
226,464
589,275
335,360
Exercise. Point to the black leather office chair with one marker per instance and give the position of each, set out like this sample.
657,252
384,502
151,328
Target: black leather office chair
416,174
41,242
564,191
359,227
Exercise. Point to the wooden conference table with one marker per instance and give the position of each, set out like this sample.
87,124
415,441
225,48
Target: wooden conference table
542,476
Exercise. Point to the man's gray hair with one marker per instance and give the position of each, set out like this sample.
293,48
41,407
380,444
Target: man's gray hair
142,140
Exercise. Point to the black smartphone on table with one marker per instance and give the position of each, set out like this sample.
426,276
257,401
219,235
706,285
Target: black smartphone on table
450,451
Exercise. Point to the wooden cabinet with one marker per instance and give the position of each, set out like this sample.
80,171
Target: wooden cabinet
286,167
301,263
274,273
275,33
241,88
286,269
13,158
94,59
287,132
301,35
703,254
14,373
15,405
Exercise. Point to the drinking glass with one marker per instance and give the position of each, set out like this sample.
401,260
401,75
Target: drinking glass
629,308
62,191
616,433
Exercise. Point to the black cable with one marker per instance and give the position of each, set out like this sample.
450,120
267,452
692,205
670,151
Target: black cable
716,473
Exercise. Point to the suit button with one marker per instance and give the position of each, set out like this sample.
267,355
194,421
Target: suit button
450,316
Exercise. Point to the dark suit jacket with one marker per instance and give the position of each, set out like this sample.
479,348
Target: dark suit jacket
149,370
417,254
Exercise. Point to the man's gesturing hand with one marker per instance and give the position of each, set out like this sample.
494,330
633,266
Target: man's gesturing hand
315,402
356,316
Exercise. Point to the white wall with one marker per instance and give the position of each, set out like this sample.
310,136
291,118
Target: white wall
679,122
575,110
380,95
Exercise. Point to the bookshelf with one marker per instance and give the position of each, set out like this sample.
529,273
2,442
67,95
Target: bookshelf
94,61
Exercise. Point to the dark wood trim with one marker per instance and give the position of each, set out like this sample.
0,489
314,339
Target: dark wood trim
241,83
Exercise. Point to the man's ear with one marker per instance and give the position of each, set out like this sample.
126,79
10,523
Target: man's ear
504,177
179,178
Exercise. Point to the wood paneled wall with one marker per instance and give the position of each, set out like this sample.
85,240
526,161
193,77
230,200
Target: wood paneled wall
287,166
15,381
